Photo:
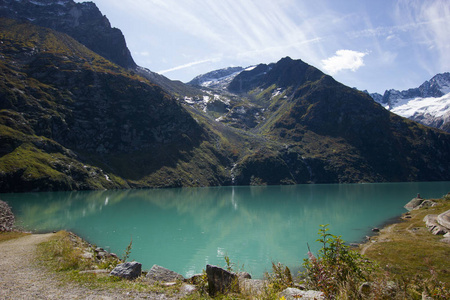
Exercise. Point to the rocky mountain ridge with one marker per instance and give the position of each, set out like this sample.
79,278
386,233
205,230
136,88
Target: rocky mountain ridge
428,104
82,21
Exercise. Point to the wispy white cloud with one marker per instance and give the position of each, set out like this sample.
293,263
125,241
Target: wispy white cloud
188,65
182,38
344,60
429,22
235,28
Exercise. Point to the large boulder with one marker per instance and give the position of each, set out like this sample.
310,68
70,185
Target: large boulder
128,270
6,217
158,273
433,225
414,203
221,281
254,287
444,219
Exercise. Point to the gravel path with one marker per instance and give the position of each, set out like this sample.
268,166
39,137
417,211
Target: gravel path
21,278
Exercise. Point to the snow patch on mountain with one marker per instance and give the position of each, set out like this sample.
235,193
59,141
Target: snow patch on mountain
428,104
437,107
217,79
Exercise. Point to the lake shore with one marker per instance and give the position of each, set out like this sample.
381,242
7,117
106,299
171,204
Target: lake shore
408,247
385,247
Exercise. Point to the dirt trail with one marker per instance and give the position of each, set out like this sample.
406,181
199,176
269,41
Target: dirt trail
21,278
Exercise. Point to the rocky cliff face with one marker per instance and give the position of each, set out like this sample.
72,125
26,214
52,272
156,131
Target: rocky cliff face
82,21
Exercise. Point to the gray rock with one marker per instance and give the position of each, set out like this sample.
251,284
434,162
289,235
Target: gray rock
426,203
254,287
414,203
87,255
294,294
128,270
439,230
158,273
434,226
430,220
187,289
221,281
6,217
444,219
102,255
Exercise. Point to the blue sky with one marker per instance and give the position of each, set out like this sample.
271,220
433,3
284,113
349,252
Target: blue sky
368,44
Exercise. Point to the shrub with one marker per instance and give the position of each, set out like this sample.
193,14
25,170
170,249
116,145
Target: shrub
336,266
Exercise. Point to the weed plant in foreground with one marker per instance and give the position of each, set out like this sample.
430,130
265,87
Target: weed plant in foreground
336,266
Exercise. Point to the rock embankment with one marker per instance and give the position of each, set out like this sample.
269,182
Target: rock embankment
6,217
437,224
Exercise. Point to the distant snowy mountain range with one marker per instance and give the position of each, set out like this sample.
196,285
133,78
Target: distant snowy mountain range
429,104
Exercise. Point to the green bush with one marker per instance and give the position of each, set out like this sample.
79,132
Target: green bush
335,267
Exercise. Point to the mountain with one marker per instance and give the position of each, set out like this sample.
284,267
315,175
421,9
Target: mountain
216,79
314,129
85,23
71,119
82,21
429,104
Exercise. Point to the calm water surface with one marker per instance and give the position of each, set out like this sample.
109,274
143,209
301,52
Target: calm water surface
185,229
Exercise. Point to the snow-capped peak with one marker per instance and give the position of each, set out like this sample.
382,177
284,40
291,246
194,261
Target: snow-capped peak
428,104
442,82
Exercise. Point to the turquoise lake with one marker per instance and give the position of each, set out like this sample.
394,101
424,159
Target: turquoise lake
185,229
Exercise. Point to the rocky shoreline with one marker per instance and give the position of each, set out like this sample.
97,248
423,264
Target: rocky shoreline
436,224
7,218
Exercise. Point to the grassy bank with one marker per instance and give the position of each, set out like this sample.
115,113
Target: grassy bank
408,253
65,254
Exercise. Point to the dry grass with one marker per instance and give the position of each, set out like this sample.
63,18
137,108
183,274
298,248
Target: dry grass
409,254
62,256
5,236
